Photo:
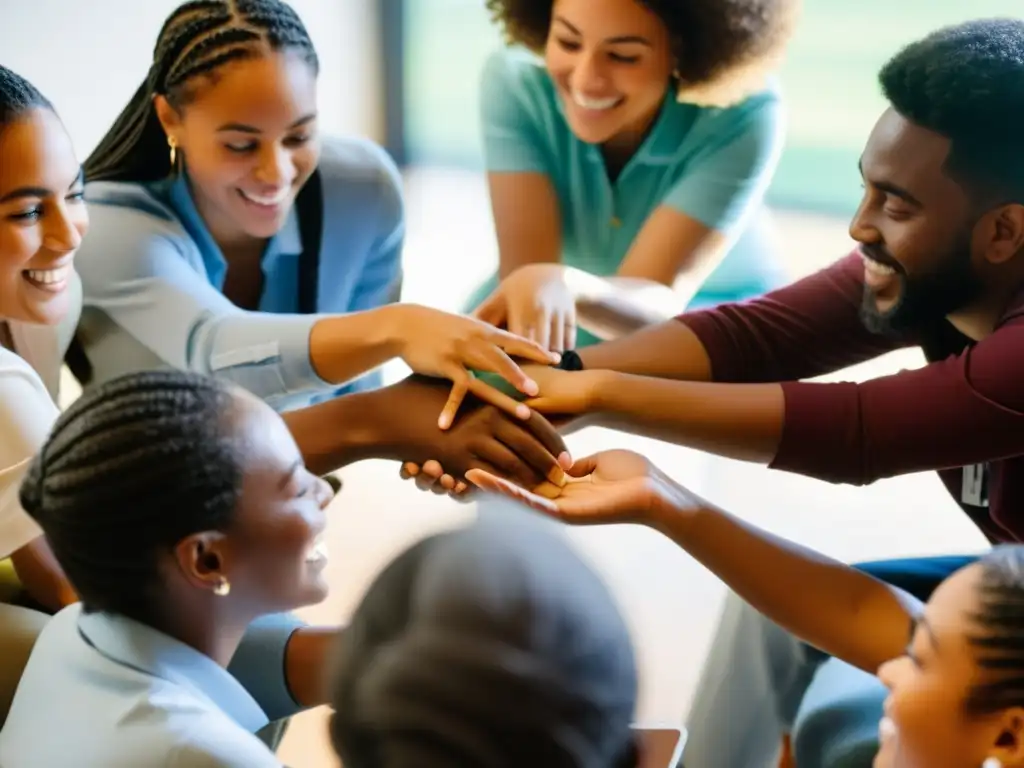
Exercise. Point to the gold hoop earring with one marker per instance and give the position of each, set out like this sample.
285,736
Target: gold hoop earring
173,144
223,588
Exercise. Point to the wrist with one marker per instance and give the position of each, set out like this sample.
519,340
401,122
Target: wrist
388,328
600,390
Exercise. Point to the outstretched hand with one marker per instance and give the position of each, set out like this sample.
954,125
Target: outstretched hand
608,487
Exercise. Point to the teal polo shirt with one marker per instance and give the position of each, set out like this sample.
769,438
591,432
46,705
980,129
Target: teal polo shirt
713,165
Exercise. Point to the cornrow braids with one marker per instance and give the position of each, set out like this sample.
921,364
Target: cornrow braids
998,640
129,470
18,96
196,39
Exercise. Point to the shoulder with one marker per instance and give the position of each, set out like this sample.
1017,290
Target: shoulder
355,173
515,77
760,115
354,161
22,392
128,223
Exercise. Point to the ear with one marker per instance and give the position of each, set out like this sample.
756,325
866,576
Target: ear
169,117
203,559
1004,233
1009,743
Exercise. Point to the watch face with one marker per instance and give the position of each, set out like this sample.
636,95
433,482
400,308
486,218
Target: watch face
660,747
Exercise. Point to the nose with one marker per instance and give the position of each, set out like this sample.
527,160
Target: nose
862,226
886,673
275,167
63,233
588,73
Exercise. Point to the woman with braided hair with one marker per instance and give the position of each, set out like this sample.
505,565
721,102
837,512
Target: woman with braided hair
228,238
182,513
629,146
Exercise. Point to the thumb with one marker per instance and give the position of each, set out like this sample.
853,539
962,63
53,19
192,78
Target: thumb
585,466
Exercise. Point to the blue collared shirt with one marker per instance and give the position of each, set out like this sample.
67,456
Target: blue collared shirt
103,691
153,277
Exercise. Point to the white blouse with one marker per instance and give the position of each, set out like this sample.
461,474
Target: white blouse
29,387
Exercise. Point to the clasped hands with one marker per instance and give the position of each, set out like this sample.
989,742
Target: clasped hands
561,395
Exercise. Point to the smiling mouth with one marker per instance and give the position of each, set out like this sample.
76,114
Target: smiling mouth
595,105
265,201
318,552
53,280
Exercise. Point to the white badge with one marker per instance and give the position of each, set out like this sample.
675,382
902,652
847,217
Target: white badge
974,490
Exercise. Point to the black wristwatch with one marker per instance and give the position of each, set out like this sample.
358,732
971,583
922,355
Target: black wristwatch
570,361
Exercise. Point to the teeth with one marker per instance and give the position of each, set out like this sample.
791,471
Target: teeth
877,268
48,276
318,551
886,728
595,104
266,200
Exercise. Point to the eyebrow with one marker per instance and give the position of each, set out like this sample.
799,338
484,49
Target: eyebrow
291,473
243,128
615,40
890,189
22,193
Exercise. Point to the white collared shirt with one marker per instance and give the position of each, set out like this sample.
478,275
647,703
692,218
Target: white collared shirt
103,691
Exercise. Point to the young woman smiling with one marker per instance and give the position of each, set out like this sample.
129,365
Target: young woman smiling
627,166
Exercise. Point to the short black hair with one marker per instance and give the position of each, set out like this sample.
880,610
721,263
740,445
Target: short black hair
711,38
966,82
18,96
198,37
130,469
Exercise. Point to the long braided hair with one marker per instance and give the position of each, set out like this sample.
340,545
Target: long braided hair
129,470
18,96
197,38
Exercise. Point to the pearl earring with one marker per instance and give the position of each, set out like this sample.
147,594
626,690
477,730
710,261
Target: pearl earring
173,144
223,589
992,762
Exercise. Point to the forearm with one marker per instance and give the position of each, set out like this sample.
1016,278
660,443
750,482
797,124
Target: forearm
824,602
344,347
738,421
667,350
42,577
610,307
344,430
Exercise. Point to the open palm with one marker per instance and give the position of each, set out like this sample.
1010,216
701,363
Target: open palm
608,487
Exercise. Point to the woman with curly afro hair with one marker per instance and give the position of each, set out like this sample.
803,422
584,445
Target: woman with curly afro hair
628,165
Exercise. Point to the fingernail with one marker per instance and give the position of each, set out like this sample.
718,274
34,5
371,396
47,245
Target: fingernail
565,460
556,358
444,422
531,387
557,476
522,411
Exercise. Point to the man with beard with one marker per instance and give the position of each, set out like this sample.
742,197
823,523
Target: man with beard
940,265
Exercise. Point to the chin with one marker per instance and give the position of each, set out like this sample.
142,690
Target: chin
41,313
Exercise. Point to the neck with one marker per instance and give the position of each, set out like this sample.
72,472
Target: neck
619,149
978,320
210,629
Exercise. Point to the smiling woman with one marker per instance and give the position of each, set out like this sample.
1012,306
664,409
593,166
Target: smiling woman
628,156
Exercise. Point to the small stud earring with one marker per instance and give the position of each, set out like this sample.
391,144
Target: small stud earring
992,762
223,589
173,144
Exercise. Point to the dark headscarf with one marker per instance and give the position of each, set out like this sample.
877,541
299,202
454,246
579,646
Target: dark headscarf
492,646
